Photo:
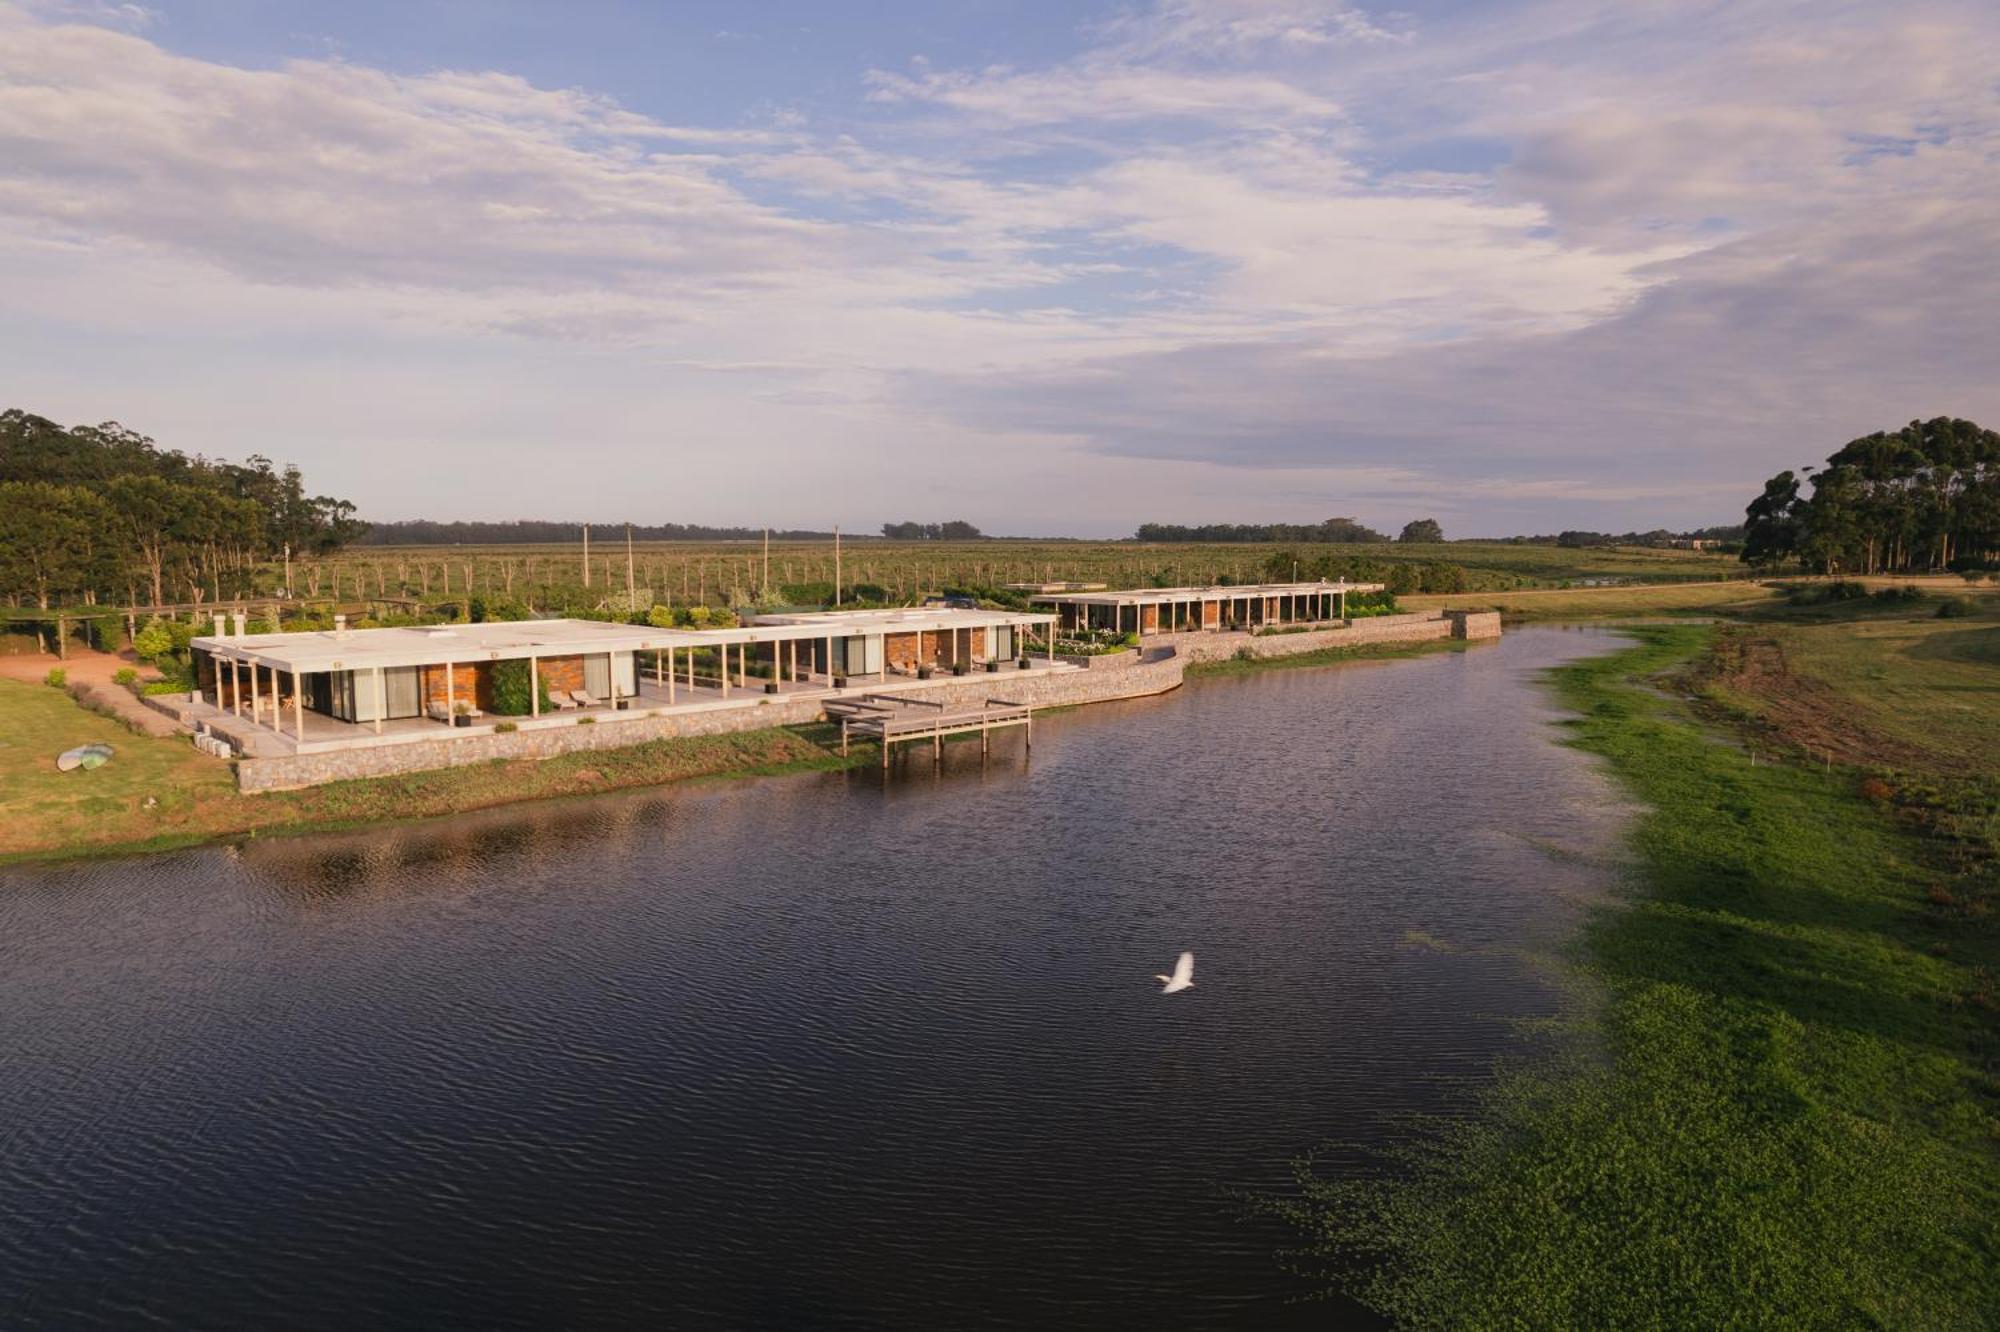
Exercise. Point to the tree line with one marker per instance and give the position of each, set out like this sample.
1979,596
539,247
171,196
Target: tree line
1925,497
1333,530
95,514
956,530
532,531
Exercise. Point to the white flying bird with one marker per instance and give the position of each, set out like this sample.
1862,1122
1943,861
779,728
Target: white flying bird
1183,977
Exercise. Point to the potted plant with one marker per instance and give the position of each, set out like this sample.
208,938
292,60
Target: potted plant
959,668
461,714
924,672
992,666
840,682
770,686
1021,662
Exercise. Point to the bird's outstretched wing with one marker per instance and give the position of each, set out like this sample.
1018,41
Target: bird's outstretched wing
1183,974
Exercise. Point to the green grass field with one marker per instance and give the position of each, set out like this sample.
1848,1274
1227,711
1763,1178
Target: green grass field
1887,684
1780,1112
193,798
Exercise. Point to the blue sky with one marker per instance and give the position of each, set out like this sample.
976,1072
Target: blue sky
1058,269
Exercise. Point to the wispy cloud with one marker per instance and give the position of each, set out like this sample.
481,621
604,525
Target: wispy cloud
1216,235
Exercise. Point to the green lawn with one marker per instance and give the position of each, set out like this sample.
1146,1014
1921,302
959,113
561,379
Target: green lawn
1780,1112
69,810
1928,685
194,797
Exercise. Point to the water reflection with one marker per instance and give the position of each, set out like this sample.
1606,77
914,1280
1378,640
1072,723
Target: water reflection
824,1050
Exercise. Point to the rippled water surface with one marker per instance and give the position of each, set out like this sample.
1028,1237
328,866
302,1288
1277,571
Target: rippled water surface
818,1051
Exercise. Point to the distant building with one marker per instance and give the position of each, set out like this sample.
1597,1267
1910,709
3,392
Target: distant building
1153,610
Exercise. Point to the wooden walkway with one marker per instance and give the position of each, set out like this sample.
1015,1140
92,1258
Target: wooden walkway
893,719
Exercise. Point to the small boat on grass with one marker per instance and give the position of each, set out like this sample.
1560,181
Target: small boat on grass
84,756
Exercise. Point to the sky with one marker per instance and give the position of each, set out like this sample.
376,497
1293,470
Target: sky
1057,269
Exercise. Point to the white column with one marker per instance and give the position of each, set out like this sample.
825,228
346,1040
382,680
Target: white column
670,674
450,695
535,683
298,705
381,700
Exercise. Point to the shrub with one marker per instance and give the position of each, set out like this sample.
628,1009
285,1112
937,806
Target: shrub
512,683
1818,594
1907,592
165,687
125,677
505,728
56,677
1954,608
586,721
153,642
484,610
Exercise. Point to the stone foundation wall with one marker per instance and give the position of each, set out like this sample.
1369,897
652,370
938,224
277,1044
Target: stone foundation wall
1101,661
1474,624
1035,688
1126,675
1416,627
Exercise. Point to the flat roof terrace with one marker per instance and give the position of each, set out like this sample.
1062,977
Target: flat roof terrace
445,644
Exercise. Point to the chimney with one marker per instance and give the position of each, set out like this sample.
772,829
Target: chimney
241,621
340,626
220,631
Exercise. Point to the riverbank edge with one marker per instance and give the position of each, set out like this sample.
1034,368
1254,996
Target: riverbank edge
627,772
1778,1108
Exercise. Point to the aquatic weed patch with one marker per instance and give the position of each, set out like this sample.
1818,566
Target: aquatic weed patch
1786,1117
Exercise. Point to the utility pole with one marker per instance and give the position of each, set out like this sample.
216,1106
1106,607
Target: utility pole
767,564
586,554
631,596
836,564
288,570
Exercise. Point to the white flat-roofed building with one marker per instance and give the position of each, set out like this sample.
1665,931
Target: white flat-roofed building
1151,610
340,686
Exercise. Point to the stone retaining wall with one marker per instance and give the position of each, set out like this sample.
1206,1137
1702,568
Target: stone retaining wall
1412,628
1101,661
1035,688
1158,669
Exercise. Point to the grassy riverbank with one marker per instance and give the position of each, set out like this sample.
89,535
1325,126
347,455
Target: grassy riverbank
1583,603
1784,1114
159,792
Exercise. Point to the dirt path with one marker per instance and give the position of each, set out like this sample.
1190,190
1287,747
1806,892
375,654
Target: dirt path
1801,709
93,670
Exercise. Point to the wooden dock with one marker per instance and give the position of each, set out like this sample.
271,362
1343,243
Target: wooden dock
892,719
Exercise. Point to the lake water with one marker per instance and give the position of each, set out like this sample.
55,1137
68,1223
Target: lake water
825,1051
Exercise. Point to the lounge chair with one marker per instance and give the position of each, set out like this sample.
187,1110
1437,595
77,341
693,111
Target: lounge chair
585,699
561,698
